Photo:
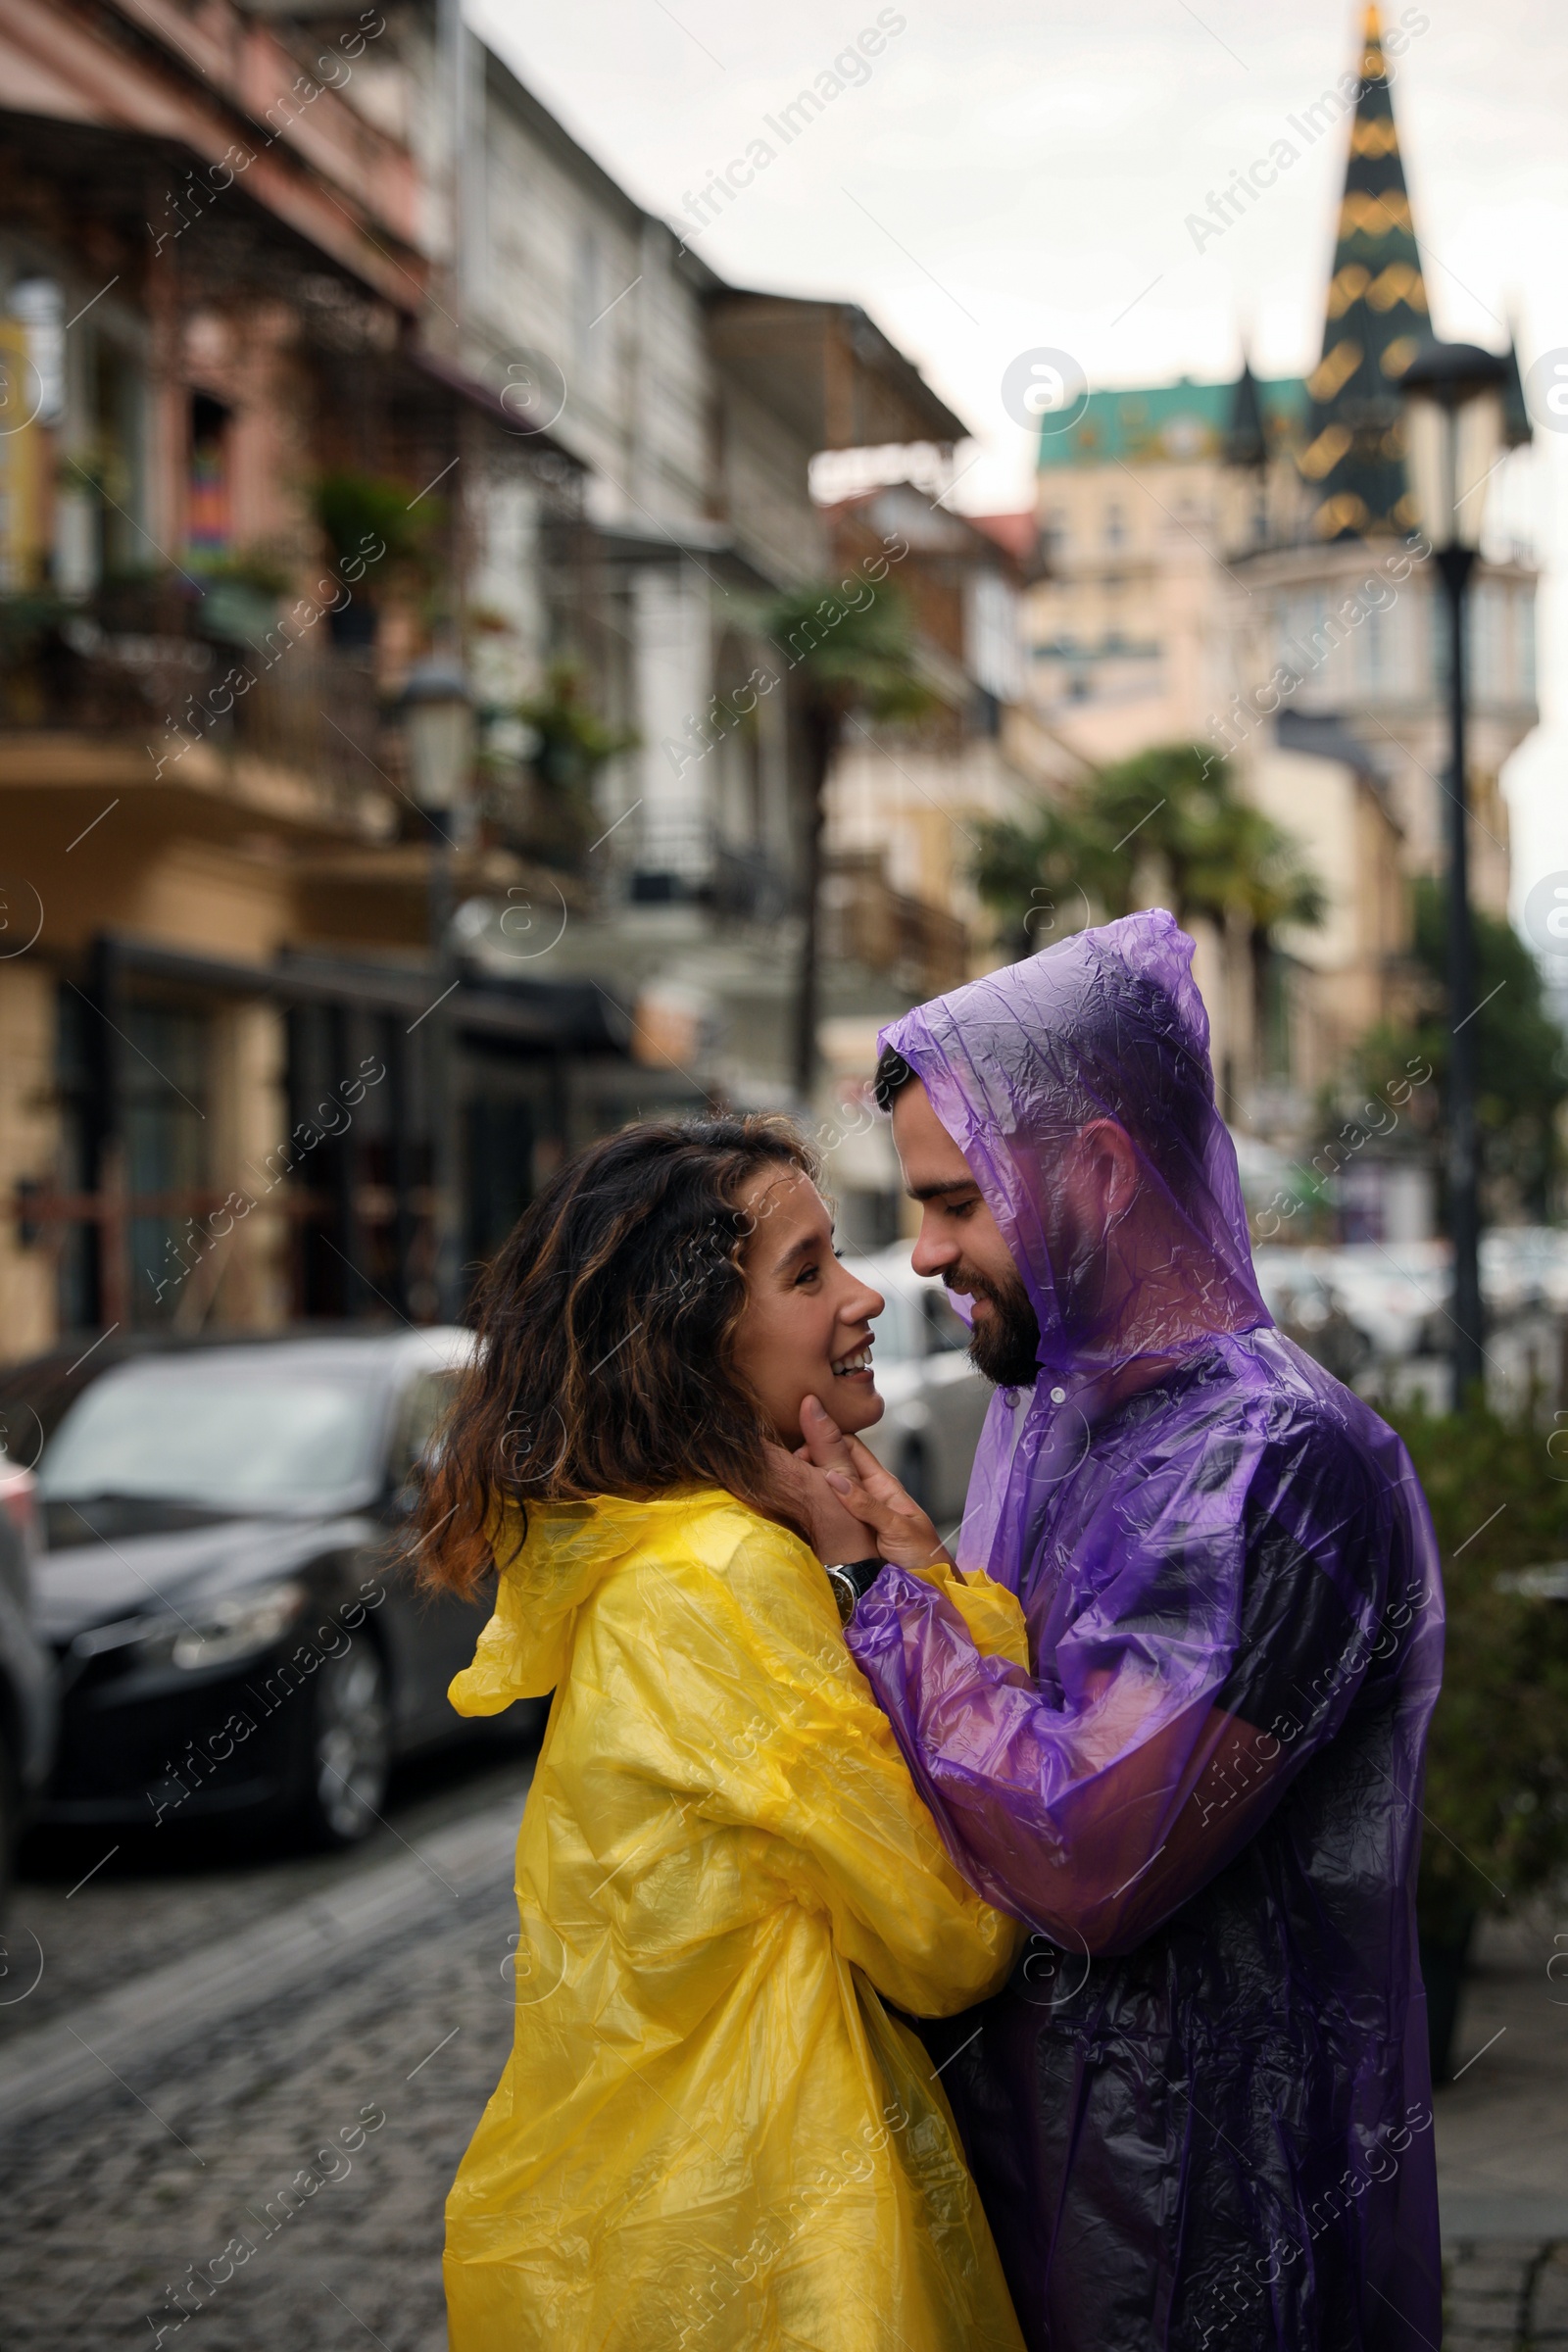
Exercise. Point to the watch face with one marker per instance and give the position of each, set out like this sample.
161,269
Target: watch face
844,1592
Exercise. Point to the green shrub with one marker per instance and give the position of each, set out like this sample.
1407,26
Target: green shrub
1496,1792
353,510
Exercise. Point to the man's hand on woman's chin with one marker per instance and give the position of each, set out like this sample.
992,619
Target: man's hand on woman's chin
833,1530
898,1529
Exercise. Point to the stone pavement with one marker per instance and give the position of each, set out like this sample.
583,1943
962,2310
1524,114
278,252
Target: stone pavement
313,2134
314,2131
1503,2145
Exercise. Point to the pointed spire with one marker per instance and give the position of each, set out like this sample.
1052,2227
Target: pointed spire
1515,415
1377,320
1244,441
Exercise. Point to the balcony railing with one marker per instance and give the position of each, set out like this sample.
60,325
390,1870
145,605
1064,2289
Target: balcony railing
866,922
139,669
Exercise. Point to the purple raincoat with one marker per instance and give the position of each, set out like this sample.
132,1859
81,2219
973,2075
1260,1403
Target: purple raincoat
1200,2114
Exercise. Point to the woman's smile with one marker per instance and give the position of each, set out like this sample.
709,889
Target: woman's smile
807,1328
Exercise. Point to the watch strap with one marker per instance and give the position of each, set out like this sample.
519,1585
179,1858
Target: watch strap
851,1580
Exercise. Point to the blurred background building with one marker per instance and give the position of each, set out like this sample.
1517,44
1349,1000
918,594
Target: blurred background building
338,378
1227,563
472,673
327,351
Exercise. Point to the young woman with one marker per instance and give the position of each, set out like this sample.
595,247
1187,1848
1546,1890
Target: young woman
711,2133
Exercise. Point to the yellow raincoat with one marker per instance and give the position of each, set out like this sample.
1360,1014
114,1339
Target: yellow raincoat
710,2134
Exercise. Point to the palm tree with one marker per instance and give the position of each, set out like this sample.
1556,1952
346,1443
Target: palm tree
1222,857
1051,864
839,658
1225,862
1177,807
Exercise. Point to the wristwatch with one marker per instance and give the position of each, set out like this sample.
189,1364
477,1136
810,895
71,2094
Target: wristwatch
850,1579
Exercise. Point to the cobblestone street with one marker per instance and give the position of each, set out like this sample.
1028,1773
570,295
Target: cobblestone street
266,2130
1502,2150
211,2149
286,2061
261,2070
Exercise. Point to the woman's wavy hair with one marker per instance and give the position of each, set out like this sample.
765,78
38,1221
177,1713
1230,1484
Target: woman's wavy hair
607,1323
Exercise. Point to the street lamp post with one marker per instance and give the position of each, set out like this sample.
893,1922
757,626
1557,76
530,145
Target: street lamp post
1453,394
438,720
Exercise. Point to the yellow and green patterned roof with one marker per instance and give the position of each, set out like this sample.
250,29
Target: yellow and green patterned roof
1149,423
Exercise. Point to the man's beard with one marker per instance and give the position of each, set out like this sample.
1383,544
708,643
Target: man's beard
1004,1345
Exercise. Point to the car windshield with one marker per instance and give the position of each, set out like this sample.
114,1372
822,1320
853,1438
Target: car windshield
278,1439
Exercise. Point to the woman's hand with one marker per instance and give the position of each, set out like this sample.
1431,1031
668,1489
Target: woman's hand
851,1472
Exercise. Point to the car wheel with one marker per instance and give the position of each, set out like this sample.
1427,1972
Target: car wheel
914,1475
351,1745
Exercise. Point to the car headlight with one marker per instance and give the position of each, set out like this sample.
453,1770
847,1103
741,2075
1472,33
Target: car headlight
225,1629
213,1634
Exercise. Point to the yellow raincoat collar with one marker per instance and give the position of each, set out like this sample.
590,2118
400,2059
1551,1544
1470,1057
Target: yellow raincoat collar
568,1550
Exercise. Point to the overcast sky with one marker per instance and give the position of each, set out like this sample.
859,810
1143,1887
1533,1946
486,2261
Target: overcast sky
1017,173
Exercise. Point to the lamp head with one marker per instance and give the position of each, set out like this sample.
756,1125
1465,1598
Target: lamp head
437,707
1453,394
1452,374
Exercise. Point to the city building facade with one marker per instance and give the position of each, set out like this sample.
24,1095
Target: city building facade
329,359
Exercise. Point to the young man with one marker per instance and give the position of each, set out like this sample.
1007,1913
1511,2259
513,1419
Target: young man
1200,2114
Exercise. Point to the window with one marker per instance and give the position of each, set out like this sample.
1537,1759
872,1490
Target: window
1115,527
164,1085
78,1035
1527,645
116,459
32,390
1437,644
38,305
587,296
209,522
499,1133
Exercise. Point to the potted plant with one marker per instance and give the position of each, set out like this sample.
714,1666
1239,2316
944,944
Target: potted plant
568,744
1497,1786
241,590
379,531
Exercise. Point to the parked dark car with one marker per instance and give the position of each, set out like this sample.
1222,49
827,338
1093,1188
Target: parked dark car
27,1710
225,1584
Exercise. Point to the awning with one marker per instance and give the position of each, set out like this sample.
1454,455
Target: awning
547,1015
827,371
